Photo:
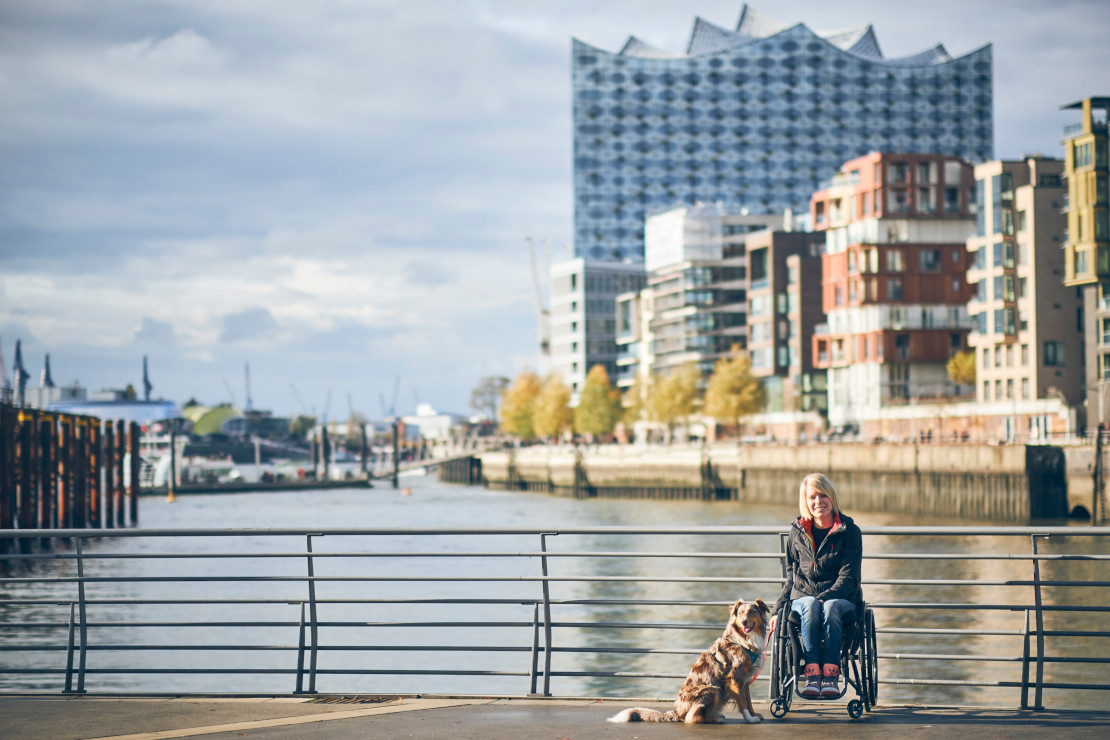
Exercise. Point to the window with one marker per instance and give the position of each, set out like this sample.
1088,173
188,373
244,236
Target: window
952,203
902,346
899,172
893,289
998,356
980,205
867,203
1021,225
873,260
1054,354
980,258
852,267
930,260
899,201
1025,389
1024,355
986,356
925,202
924,172
894,260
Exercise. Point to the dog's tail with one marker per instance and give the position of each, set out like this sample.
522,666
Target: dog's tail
642,714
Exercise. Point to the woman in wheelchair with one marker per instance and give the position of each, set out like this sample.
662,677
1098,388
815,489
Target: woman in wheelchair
823,555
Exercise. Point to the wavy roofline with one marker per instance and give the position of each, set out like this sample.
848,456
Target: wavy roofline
893,62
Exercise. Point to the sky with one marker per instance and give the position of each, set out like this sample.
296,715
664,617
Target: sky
338,192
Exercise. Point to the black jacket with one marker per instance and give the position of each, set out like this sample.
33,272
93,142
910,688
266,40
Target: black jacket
833,572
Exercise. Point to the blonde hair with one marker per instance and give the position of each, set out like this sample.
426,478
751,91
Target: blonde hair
821,484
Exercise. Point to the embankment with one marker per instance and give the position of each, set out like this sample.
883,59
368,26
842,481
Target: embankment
976,482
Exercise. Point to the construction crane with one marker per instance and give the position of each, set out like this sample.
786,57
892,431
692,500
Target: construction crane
543,332
247,373
230,394
299,399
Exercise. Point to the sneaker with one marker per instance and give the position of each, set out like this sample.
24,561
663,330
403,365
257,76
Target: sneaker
812,689
830,687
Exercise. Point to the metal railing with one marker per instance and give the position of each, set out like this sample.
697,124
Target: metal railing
964,614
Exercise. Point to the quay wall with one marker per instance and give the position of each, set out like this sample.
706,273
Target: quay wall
982,482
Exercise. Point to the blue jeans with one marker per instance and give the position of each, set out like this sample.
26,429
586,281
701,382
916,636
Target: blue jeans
815,616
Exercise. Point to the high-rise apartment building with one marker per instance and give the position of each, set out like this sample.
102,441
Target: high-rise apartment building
695,306
582,319
1027,324
784,274
893,280
1087,247
756,118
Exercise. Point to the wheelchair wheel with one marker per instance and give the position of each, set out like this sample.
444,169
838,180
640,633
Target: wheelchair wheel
779,708
872,659
855,709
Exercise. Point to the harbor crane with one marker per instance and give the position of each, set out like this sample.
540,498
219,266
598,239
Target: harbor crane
299,399
543,315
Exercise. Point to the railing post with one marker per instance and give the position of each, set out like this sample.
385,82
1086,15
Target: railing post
1025,665
82,615
69,652
772,694
1037,704
300,654
535,647
313,628
546,617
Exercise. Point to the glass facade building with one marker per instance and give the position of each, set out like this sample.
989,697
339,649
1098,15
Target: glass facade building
757,118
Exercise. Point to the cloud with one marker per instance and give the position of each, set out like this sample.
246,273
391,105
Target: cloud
253,324
155,332
425,274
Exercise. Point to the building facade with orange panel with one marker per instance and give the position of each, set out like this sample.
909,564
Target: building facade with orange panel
894,281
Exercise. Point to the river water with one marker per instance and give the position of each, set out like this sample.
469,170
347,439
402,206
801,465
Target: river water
986,657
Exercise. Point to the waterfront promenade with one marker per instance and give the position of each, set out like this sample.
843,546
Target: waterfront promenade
65,718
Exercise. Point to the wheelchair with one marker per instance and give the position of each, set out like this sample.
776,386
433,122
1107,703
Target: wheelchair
859,664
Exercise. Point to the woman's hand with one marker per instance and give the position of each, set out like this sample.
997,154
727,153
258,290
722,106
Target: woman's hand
774,622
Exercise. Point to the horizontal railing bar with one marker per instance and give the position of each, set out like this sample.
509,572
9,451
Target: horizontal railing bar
928,531
530,579
485,531
533,554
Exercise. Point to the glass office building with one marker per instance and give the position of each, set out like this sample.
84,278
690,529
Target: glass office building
757,118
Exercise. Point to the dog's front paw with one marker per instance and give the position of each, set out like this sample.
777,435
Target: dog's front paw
752,718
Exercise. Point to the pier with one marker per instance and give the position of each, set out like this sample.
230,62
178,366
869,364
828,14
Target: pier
66,471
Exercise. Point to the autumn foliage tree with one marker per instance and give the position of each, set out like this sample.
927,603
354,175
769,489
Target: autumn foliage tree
674,397
518,403
733,392
598,406
553,415
961,368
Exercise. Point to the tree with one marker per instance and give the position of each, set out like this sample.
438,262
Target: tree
518,403
634,402
674,397
553,415
961,368
301,426
355,422
732,392
597,410
486,397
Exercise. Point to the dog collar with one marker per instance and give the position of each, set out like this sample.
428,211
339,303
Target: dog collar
753,654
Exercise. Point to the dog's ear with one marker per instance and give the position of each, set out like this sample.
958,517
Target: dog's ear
736,607
762,607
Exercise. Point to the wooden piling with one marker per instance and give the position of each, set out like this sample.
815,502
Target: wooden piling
7,471
80,473
96,486
108,517
26,464
47,480
136,469
63,488
121,446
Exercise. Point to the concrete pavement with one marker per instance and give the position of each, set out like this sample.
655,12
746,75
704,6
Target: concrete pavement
71,718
